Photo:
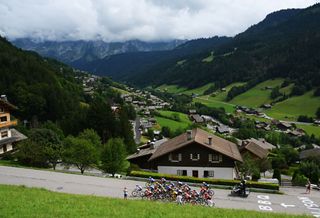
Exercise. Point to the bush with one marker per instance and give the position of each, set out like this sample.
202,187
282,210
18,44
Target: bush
303,118
251,184
299,180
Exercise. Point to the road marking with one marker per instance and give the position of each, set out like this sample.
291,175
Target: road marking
263,203
287,205
310,205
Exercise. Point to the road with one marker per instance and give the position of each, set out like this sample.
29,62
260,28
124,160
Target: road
293,202
137,133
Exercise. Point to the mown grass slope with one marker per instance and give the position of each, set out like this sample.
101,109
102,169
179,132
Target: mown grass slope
291,108
218,99
169,119
174,89
258,95
310,129
17,201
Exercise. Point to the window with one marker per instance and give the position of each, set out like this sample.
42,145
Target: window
1,109
4,134
3,119
182,172
175,157
215,158
194,157
208,173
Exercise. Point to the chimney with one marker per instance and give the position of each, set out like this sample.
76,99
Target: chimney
138,150
189,134
152,145
4,98
210,140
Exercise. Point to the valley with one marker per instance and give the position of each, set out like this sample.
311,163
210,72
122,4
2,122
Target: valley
163,103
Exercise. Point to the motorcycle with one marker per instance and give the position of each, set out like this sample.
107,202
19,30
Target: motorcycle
237,190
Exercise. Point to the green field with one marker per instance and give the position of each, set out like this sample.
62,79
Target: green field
19,201
198,91
121,91
291,108
166,119
217,99
209,58
310,129
210,102
174,89
258,95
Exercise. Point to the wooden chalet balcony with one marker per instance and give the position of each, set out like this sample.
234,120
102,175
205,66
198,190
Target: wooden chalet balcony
8,124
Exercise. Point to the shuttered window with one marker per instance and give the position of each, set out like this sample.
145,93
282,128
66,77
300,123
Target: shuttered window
194,157
215,158
175,157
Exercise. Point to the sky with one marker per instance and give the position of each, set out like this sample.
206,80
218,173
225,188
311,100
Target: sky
121,20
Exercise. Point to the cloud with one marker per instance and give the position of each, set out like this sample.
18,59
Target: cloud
116,20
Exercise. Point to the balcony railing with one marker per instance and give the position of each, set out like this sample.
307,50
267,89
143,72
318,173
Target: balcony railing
8,124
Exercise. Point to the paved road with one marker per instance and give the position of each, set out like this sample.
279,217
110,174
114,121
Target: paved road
137,133
294,202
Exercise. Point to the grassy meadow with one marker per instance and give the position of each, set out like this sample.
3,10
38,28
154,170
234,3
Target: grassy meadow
19,201
121,91
257,95
218,99
291,108
310,129
167,119
173,89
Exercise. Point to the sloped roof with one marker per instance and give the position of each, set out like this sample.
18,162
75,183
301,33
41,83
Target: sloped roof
257,150
315,152
199,136
16,136
263,143
146,150
7,104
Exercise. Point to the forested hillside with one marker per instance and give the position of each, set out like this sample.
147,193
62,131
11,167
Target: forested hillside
49,93
285,44
42,89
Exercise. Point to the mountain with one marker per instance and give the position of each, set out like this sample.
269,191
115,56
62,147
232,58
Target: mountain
285,44
78,53
127,65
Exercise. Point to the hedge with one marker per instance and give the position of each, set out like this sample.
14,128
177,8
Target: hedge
251,184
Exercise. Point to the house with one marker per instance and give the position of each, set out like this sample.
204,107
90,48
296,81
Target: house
267,106
8,135
310,153
296,133
284,126
115,109
207,119
222,129
263,143
192,111
153,121
196,118
143,154
257,149
195,153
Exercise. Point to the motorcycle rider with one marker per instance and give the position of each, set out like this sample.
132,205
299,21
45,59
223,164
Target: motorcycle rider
243,187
